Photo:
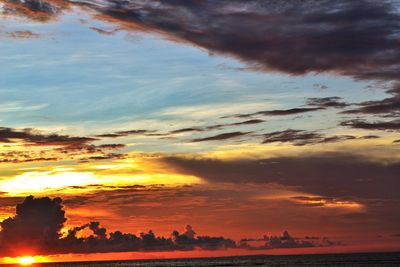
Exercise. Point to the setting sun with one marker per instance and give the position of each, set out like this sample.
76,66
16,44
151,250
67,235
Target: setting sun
27,260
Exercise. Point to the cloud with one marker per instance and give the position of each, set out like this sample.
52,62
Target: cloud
301,137
388,107
36,229
278,112
33,9
52,146
315,103
217,126
38,223
221,137
36,138
104,31
337,175
126,133
393,125
327,102
286,241
351,38
21,35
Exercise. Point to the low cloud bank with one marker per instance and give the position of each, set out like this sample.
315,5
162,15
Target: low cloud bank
36,228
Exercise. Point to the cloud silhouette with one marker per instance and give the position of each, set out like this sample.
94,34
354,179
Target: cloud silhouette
393,125
356,38
36,228
286,241
38,223
327,102
221,137
388,107
301,137
338,175
52,146
279,112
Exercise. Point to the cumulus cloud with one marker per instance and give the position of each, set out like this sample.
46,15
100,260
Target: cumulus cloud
38,223
36,228
286,241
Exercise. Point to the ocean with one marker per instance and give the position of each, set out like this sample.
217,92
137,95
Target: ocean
357,259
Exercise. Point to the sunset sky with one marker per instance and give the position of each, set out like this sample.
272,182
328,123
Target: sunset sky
242,119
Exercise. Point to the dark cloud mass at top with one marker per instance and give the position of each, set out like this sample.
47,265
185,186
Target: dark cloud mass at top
356,38
353,38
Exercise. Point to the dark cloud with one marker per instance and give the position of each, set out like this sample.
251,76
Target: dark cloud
221,137
286,241
38,222
389,107
125,133
248,122
356,38
279,112
104,156
186,130
330,175
217,126
61,146
327,102
33,9
301,137
36,228
315,103
352,38
370,137
104,31
393,125
34,137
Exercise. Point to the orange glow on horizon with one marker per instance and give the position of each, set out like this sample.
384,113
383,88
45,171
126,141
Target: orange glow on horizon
25,260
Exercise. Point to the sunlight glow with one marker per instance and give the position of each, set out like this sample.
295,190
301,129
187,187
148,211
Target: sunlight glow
26,260
36,182
70,181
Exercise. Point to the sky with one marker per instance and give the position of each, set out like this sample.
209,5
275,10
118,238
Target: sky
142,129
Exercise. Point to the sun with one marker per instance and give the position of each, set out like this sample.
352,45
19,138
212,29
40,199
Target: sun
26,260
